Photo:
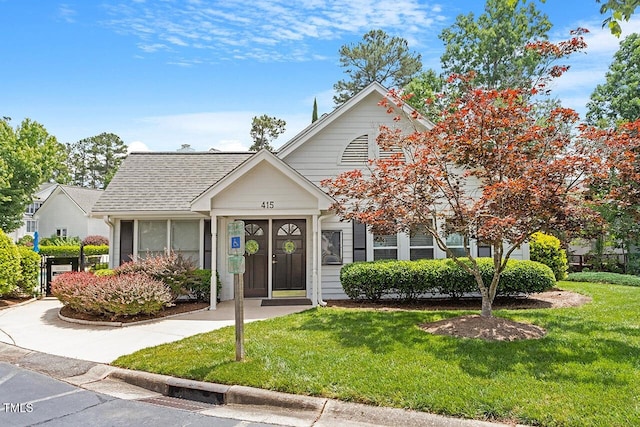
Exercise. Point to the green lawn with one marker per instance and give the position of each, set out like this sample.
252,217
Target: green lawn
586,371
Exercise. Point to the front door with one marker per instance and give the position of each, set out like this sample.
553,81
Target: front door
256,259
288,257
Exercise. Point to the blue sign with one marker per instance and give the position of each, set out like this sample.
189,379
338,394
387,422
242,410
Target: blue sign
235,242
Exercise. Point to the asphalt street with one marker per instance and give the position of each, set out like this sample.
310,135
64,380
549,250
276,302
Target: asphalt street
28,398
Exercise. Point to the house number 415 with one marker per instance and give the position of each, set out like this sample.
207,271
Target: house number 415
267,204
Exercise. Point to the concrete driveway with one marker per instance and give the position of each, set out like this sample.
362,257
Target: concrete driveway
36,326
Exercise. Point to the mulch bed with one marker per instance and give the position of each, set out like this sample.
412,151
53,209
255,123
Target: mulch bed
6,302
179,308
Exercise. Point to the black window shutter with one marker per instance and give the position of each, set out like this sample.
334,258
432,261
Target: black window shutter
359,241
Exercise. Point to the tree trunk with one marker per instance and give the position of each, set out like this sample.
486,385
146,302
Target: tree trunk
486,305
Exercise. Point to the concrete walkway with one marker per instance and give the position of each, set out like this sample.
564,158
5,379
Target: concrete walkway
36,326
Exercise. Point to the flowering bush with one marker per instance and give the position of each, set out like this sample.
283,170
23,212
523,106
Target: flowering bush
174,270
111,296
95,240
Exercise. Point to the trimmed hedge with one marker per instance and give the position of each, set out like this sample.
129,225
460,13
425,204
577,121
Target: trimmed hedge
409,280
30,267
73,251
604,277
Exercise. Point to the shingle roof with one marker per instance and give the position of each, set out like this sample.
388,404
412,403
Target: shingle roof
165,181
85,198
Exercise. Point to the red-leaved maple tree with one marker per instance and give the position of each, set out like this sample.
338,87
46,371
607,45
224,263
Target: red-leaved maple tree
492,170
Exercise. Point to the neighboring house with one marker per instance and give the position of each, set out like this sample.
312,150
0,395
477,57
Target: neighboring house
65,213
30,224
296,245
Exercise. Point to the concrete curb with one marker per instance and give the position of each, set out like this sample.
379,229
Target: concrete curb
123,324
264,405
20,304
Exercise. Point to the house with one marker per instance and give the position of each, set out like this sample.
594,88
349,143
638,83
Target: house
184,201
65,213
30,224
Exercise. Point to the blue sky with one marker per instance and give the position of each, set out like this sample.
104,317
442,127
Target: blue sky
161,73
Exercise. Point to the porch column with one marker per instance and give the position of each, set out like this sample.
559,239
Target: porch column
214,247
315,254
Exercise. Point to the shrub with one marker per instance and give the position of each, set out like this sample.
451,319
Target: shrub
113,296
173,270
60,241
9,265
71,251
200,289
525,277
30,268
604,277
104,272
95,240
547,250
26,240
365,280
410,279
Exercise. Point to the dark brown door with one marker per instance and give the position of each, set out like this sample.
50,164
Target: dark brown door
288,258
256,258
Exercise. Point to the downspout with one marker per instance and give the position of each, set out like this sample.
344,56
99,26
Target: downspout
112,236
318,296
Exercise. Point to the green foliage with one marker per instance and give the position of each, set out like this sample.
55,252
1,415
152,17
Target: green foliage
583,373
68,251
547,250
314,113
29,156
425,89
10,272
620,10
94,161
200,289
265,129
604,277
30,270
616,100
26,240
492,45
409,280
104,272
377,58
60,241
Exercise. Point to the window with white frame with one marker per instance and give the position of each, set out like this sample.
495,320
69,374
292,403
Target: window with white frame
421,244
152,238
61,232
185,238
385,246
32,225
33,207
455,242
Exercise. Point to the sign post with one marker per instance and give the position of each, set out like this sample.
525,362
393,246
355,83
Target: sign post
235,231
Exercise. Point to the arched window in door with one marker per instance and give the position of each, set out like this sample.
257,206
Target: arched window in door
289,229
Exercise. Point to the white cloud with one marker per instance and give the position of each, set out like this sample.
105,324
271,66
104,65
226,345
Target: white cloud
137,146
278,30
588,69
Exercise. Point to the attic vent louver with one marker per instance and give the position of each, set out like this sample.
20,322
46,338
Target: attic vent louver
386,154
357,152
